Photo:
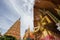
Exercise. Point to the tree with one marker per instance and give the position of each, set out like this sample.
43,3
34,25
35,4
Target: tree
7,38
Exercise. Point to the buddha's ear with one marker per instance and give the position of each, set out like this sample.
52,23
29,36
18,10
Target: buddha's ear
58,24
58,28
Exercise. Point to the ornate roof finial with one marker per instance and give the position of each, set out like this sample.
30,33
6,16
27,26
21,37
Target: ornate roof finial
19,18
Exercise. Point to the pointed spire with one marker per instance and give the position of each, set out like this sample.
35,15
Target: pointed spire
14,30
20,18
29,28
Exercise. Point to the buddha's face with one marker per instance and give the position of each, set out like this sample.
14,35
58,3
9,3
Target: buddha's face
36,17
36,20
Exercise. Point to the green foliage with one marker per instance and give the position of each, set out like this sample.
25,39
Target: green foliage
7,38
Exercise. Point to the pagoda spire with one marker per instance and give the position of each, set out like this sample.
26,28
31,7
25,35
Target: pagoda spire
14,30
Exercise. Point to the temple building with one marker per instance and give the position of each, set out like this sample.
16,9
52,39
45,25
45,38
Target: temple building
14,30
28,35
46,17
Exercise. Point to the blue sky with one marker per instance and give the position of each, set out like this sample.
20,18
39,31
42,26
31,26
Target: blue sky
12,10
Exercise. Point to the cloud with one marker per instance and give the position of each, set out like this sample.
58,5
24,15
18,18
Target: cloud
7,16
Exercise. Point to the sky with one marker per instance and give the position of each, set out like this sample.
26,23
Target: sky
12,10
